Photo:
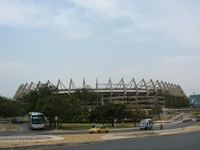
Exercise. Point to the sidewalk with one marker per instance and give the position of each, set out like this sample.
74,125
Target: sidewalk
139,134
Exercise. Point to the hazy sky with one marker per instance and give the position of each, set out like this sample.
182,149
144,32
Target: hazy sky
48,39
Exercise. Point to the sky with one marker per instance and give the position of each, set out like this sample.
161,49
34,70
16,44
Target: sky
50,40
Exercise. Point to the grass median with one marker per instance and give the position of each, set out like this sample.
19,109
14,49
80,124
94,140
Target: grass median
85,126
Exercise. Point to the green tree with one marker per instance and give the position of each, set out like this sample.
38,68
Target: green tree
175,101
88,96
138,114
31,99
9,108
114,112
66,108
108,112
156,110
97,114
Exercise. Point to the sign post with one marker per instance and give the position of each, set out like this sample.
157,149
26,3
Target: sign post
56,119
115,121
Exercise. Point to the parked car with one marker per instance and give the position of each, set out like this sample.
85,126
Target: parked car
146,124
16,120
196,118
99,130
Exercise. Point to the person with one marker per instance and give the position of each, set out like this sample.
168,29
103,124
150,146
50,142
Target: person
93,125
161,126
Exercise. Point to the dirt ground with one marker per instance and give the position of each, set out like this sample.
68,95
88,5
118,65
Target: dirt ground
71,139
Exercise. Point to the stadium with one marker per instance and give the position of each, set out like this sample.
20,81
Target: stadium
143,94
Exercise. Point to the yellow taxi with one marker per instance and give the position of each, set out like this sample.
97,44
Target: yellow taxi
99,130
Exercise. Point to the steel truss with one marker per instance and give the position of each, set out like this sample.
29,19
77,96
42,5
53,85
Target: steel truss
143,94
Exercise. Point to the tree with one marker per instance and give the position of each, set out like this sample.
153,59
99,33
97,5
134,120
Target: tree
87,96
97,114
31,99
114,112
66,108
9,108
108,112
156,110
175,101
137,115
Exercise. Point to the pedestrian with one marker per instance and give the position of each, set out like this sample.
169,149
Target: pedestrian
161,126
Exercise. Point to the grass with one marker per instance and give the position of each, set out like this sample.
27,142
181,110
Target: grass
84,126
7,126
75,126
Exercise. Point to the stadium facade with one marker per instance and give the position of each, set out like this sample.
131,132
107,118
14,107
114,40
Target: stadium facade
143,94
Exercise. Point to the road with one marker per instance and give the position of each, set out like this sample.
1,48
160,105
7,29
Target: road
25,131
189,141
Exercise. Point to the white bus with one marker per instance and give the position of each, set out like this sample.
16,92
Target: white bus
36,120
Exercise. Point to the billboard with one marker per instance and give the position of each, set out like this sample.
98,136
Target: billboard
194,100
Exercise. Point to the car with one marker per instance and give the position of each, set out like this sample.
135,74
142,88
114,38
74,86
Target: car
196,118
16,120
99,130
146,124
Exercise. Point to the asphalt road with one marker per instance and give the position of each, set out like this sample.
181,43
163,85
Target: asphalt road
189,141
25,131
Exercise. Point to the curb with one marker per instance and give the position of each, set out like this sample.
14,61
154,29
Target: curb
41,138
118,136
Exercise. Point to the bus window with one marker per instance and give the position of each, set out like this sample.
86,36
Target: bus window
37,119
